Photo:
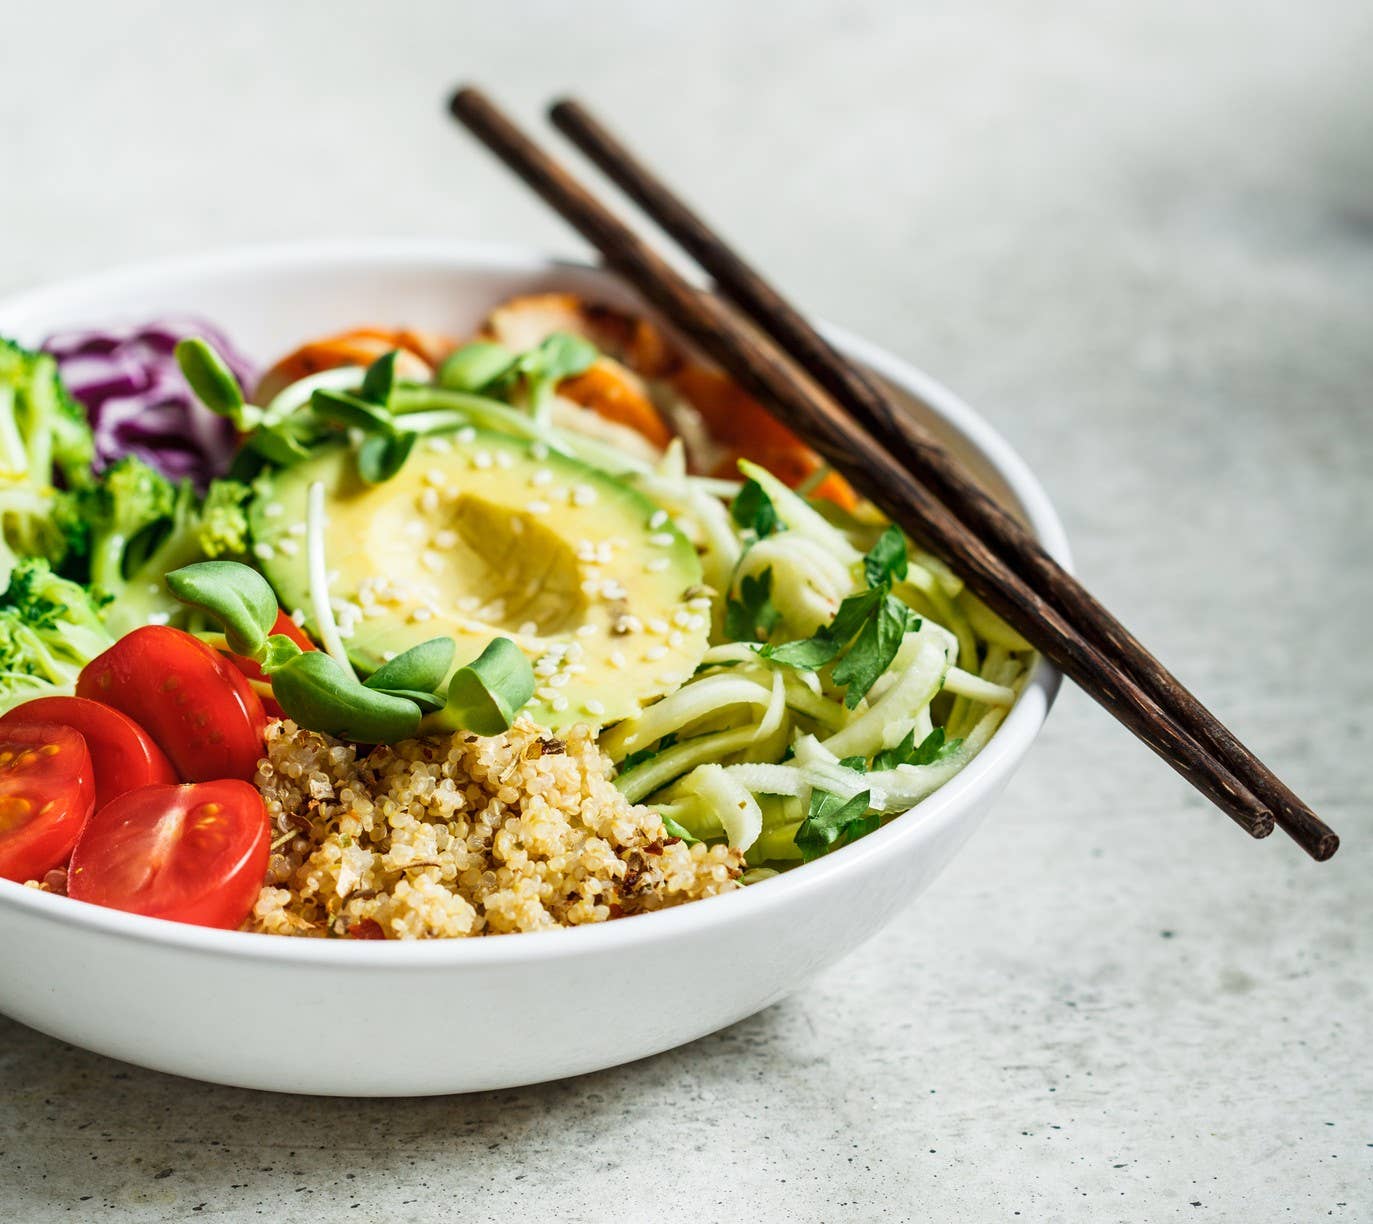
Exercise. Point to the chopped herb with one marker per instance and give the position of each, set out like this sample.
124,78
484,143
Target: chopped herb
874,649
752,616
854,762
752,510
886,560
867,630
832,822
931,749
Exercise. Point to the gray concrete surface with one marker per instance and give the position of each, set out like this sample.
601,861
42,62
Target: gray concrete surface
1139,236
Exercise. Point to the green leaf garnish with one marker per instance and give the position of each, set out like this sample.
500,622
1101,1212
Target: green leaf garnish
886,561
475,367
873,649
422,667
351,411
380,378
832,822
381,456
752,510
485,696
214,383
857,763
673,829
752,616
640,755
931,749
236,595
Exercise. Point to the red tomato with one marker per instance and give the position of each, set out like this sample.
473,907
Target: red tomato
284,624
122,753
203,714
188,853
47,790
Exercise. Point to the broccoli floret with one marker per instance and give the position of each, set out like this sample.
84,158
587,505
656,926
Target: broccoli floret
43,433
125,509
143,527
50,628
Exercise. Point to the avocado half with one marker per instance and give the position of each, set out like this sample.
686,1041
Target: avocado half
484,535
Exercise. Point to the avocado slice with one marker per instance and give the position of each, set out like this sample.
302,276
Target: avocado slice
481,535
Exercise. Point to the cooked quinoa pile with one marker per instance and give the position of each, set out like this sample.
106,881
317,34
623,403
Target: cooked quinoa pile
460,835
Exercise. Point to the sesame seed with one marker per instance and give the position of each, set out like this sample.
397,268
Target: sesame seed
559,703
273,510
296,529
159,618
288,546
466,435
617,658
541,477
654,653
586,630
298,617
438,444
657,565
388,655
583,495
696,622
559,680
656,624
675,639
264,552
504,459
434,478
546,693
421,614
429,501
657,519
681,619
431,560
445,538
662,539
529,628
595,707
538,451
538,507
482,459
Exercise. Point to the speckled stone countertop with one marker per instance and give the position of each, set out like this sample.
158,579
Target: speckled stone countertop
1139,237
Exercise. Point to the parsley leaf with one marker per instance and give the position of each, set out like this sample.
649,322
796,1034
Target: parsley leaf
812,653
832,822
931,749
886,561
854,762
752,616
873,649
752,510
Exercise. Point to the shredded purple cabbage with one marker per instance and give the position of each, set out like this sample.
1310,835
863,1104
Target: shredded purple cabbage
138,402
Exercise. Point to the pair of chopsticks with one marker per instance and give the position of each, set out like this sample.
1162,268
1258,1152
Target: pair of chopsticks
851,421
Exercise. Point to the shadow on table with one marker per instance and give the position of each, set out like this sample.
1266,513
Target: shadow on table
85,1131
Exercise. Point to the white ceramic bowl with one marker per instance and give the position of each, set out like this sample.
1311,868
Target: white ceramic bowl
390,1019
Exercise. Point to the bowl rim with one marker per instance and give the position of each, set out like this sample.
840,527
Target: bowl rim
938,810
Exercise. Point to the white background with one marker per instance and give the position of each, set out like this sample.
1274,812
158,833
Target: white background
1139,236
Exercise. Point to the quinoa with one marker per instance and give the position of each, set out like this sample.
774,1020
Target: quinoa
462,835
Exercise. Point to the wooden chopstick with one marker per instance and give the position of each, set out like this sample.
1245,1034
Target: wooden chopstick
765,372
918,449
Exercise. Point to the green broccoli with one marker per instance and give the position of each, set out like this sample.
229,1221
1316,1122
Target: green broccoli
142,526
50,628
43,433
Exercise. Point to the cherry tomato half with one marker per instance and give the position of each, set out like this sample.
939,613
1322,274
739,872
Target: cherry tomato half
122,753
202,712
284,624
193,853
47,791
